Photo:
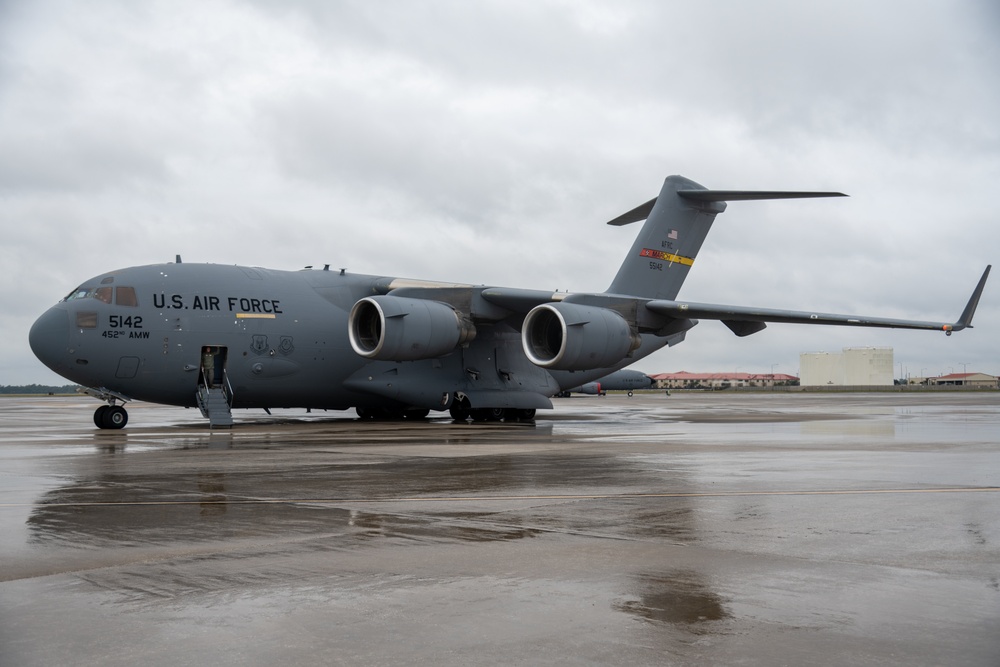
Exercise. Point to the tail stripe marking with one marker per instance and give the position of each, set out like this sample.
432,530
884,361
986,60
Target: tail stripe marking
666,257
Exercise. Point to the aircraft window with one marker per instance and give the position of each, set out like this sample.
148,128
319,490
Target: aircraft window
86,320
103,294
125,296
79,293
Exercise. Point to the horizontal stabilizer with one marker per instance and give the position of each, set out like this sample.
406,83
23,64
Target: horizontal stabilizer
751,195
637,214
642,211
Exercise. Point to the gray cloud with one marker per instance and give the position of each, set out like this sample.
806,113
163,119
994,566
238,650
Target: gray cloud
488,142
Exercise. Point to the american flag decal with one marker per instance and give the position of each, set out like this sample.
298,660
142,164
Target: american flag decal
672,234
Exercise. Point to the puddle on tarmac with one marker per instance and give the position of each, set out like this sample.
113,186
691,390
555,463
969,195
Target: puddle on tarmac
679,597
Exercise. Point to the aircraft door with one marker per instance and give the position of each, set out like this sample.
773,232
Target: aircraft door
213,365
214,395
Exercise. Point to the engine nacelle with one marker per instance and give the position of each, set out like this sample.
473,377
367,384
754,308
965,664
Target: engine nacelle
392,328
570,337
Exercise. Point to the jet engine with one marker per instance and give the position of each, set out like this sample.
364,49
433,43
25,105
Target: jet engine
571,337
392,328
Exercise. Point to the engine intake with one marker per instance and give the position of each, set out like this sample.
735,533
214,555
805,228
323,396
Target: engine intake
570,337
392,328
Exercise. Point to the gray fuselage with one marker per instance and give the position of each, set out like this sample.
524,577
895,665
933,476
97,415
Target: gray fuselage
283,335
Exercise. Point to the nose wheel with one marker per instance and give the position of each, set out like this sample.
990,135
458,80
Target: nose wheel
110,416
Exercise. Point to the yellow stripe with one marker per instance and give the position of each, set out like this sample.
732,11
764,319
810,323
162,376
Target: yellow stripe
254,316
686,261
666,257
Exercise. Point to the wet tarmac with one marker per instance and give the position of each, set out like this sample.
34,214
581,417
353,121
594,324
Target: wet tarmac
699,529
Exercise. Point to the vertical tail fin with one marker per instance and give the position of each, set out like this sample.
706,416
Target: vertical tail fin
677,222
668,243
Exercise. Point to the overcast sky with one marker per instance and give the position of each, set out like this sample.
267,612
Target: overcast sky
489,142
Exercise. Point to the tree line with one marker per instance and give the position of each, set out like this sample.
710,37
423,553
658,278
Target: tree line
37,389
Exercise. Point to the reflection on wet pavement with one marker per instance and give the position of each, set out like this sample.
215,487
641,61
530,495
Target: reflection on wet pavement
680,598
696,529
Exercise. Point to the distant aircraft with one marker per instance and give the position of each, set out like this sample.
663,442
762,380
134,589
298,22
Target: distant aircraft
623,380
222,337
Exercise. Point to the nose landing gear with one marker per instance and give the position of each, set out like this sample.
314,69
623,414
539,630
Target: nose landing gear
110,416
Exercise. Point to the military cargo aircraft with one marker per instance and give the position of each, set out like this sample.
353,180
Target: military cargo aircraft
623,380
223,337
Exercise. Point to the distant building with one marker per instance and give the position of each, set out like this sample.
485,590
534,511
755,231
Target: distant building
685,380
978,380
853,367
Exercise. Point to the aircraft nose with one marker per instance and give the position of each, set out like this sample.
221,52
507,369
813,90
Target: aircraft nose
49,338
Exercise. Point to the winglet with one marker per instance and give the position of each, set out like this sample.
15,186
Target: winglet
965,321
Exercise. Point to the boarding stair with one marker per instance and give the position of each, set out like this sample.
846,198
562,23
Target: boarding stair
215,403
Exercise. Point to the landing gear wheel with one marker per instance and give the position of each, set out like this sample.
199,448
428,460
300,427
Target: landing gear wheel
393,414
114,417
488,414
522,415
380,414
99,416
460,411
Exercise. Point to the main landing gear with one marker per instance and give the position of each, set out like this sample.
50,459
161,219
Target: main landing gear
461,412
390,414
110,416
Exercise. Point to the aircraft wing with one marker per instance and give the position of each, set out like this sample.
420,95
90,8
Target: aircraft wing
745,320
520,300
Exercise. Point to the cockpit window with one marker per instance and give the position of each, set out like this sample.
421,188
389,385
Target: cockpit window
125,296
122,296
79,293
103,294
